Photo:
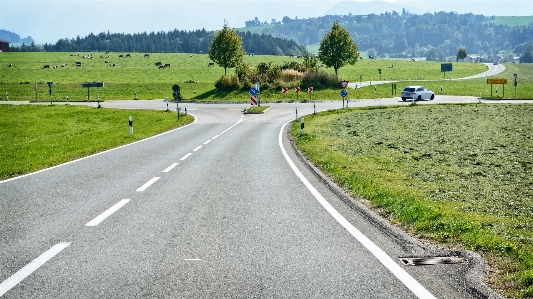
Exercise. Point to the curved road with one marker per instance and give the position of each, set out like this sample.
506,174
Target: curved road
223,207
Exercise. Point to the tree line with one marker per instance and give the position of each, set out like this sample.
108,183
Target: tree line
408,35
172,41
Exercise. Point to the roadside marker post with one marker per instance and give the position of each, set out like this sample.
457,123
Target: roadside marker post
131,125
296,114
314,108
302,125
49,91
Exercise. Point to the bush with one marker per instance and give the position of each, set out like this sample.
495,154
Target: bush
291,75
320,80
227,82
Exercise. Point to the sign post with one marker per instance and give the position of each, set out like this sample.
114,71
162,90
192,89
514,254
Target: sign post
253,97
50,91
88,85
310,91
344,94
297,90
284,91
446,67
258,88
497,81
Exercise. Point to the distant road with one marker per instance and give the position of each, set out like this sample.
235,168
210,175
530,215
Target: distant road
493,70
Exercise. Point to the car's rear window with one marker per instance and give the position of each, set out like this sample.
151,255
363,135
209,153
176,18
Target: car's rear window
409,89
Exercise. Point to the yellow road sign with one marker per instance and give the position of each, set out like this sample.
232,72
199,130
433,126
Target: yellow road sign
496,81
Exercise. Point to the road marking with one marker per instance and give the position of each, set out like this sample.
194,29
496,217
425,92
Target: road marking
240,121
171,167
207,141
215,137
29,268
197,148
107,213
411,283
186,156
145,186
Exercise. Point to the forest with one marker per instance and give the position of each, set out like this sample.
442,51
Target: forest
172,41
409,35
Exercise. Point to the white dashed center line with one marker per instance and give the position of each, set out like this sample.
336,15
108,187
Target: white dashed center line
207,141
29,268
186,156
170,167
216,137
145,186
107,213
197,148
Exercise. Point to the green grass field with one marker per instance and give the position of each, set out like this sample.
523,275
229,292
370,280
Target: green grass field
513,21
458,174
34,137
139,74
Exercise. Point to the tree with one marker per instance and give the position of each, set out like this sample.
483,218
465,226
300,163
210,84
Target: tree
337,48
527,55
461,54
436,54
226,48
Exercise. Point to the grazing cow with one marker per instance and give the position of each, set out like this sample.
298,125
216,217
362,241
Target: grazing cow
161,67
46,66
370,56
55,67
120,56
158,63
101,56
113,64
391,66
211,64
128,55
107,51
412,59
64,65
78,63
191,55
10,65
107,56
167,64
146,55
107,61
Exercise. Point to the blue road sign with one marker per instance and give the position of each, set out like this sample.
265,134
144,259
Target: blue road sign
344,93
253,91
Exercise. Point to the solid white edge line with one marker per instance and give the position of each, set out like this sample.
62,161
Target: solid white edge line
197,148
186,156
101,153
168,169
148,184
411,283
107,213
32,266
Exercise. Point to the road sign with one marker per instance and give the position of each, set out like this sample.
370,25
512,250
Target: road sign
344,84
496,81
344,93
253,100
284,89
309,89
93,84
446,67
253,91
297,89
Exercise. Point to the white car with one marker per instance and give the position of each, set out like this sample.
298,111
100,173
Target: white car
417,93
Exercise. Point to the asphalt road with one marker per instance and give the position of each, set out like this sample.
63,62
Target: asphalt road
221,208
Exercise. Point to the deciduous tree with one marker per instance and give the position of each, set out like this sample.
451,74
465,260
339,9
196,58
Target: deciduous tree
226,49
337,48
461,54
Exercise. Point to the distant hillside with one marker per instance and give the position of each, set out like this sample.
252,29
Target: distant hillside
365,8
402,34
14,38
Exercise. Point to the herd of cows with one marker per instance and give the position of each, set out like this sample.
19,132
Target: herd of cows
90,56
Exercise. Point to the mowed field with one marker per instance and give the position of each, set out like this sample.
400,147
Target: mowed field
457,174
139,74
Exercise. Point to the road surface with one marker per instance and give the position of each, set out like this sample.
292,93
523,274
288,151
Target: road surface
223,208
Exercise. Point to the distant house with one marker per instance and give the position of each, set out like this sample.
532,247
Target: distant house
4,46
516,59
473,58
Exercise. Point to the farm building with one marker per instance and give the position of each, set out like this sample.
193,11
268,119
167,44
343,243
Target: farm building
4,46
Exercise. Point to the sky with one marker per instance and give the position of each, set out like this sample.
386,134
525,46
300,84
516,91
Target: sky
47,21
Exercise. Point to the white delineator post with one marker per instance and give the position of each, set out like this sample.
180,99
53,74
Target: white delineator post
131,125
302,125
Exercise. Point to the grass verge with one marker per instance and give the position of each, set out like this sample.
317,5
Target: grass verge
34,137
458,174
256,109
